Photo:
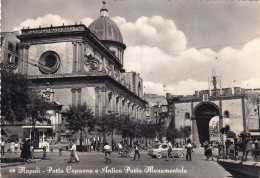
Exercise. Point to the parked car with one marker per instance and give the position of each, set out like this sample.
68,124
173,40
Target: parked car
161,150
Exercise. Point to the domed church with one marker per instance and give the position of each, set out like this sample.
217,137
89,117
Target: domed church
74,64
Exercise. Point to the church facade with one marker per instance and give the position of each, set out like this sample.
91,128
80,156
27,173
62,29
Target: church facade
77,64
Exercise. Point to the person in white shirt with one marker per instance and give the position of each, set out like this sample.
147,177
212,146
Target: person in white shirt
136,152
2,146
189,149
44,147
73,154
107,149
16,145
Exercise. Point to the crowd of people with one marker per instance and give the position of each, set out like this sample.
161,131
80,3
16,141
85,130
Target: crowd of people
228,150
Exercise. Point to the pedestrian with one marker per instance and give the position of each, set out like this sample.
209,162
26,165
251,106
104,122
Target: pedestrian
107,150
31,150
25,154
73,154
45,146
208,152
60,149
169,153
189,149
231,150
136,152
247,149
16,145
98,146
2,146
11,148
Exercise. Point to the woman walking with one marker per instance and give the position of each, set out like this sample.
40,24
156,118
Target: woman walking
73,154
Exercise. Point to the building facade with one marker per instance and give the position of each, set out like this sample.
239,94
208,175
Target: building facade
81,64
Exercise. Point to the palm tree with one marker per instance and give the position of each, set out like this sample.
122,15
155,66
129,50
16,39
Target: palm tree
78,117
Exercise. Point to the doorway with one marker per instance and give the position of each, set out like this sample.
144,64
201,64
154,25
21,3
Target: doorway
204,112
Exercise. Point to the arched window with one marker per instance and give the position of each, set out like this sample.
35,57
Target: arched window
10,47
226,114
187,115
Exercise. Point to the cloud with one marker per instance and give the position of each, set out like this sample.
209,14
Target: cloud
188,70
87,21
157,50
45,21
153,32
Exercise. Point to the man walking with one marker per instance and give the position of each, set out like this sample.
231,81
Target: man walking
169,154
44,147
136,152
2,146
188,150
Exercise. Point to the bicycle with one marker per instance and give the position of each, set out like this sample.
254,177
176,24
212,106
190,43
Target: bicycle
108,159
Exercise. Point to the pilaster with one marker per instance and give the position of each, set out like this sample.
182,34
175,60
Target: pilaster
74,66
80,53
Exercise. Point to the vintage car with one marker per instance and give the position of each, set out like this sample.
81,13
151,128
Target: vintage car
161,150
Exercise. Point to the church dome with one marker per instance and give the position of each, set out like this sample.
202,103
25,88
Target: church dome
105,29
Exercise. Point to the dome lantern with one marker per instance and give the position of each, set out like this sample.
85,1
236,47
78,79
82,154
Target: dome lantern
108,33
103,10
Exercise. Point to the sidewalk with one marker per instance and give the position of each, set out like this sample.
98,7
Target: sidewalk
250,168
13,159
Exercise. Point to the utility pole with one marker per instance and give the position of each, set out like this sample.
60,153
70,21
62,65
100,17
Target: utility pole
258,113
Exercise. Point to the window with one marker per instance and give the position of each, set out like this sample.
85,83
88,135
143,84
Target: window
10,47
226,114
187,115
17,48
49,62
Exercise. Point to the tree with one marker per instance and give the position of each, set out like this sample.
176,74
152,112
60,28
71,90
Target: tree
15,96
78,117
171,132
186,131
148,131
38,107
127,129
108,124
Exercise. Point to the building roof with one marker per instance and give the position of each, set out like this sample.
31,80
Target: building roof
104,28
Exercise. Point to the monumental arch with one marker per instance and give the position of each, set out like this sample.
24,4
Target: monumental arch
227,106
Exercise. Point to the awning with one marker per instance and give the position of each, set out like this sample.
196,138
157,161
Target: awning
37,127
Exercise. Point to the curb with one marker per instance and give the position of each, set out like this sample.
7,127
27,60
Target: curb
250,169
20,163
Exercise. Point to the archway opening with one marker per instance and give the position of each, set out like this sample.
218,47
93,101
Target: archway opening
203,114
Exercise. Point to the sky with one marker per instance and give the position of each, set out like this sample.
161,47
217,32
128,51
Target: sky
175,45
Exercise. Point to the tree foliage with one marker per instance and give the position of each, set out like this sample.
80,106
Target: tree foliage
15,96
78,117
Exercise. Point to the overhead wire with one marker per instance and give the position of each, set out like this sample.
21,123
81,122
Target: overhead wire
176,79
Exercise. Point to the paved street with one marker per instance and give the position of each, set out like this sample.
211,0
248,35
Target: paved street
90,162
